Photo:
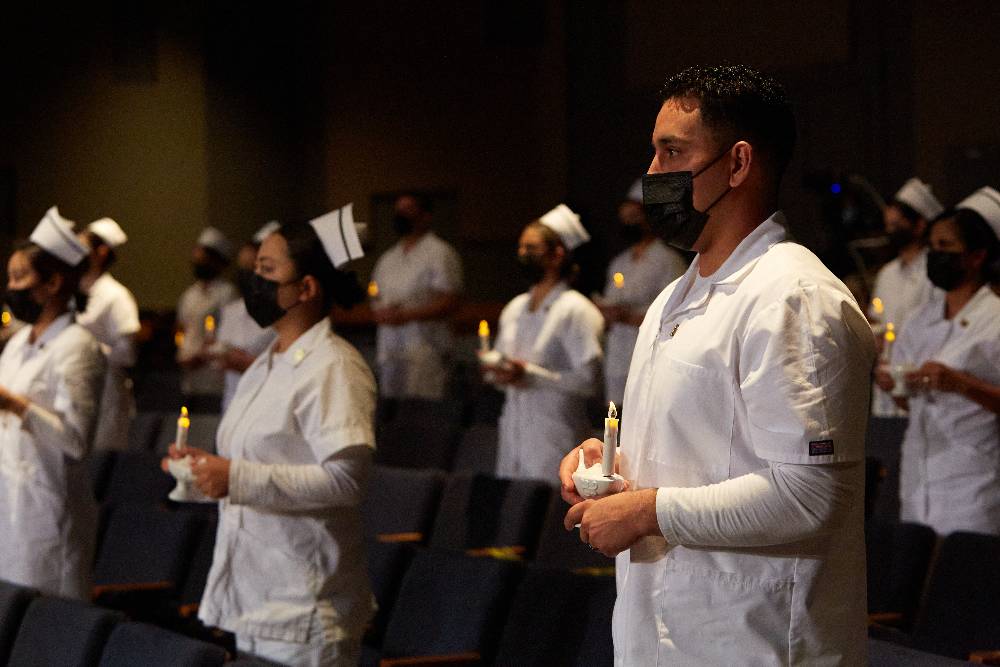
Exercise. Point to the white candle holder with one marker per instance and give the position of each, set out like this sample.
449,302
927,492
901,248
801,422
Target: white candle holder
592,482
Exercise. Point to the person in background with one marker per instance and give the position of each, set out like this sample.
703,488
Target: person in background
51,375
550,338
202,382
288,574
635,278
241,339
901,286
419,281
112,316
950,467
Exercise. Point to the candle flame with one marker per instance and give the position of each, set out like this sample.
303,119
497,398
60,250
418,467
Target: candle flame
373,289
179,339
183,420
619,280
5,318
890,336
484,328
890,327
209,323
612,411
878,306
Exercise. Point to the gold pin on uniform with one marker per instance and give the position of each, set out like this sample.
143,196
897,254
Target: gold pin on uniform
674,330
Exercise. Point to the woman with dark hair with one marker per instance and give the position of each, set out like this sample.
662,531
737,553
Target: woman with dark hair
950,465
51,374
295,447
550,338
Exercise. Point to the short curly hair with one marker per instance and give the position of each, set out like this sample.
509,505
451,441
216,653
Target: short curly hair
738,102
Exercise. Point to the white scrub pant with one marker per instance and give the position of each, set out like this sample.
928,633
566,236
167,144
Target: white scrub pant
319,653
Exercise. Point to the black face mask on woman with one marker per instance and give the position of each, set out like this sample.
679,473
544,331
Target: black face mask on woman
22,305
944,269
668,200
531,268
262,301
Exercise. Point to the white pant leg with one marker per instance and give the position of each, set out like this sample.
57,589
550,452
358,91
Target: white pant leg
318,653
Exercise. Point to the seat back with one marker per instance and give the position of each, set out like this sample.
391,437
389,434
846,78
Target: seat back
898,556
559,548
883,441
133,644
477,449
136,477
401,502
416,433
14,601
196,573
62,632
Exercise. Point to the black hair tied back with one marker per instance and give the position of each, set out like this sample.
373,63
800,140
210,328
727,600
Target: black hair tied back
340,288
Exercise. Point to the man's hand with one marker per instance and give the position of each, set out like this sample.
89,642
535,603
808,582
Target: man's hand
511,372
211,473
593,452
613,524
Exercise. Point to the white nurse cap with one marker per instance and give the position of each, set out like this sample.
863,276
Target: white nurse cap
564,222
635,192
986,202
108,231
917,195
213,239
54,234
265,231
339,235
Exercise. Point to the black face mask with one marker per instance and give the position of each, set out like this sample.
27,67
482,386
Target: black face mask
944,269
631,234
668,200
262,301
204,271
900,238
531,268
244,281
402,225
23,306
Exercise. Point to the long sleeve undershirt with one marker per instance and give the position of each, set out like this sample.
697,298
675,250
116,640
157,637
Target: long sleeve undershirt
340,481
780,504
579,381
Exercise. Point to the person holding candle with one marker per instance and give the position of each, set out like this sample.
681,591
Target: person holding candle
950,467
550,340
635,277
51,375
901,286
741,539
288,575
198,310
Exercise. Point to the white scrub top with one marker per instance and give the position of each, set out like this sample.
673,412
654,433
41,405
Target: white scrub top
112,316
950,469
643,278
283,559
238,330
48,518
903,289
561,341
413,358
767,360
195,304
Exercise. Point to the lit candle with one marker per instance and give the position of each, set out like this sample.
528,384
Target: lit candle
209,328
890,336
610,441
484,336
373,290
179,339
877,306
619,280
5,319
183,424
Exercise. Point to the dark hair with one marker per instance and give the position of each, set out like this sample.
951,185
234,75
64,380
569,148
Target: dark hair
216,257
976,234
907,211
740,102
569,268
46,265
310,259
424,202
96,241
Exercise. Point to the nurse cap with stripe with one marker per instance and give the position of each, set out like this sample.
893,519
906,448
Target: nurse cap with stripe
986,202
566,224
338,233
917,195
54,234
108,231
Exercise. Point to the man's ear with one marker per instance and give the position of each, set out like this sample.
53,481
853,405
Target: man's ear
742,158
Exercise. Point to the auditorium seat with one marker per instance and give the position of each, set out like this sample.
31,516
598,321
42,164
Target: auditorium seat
886,654
387,565
136,477
477,449
883,442
401,504
898,556
62,632
415,433
196,573
481,513
560,548
132,644
14,601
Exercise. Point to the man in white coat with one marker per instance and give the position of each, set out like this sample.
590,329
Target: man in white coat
112,316
740,539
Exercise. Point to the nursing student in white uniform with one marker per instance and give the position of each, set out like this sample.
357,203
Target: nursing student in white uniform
901,286
112,316
635,277
295,447
419,281
550,338
741,538
240,339
51,374
201,380
950,468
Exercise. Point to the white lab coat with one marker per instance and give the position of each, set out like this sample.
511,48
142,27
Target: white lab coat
561,341
289,559
950,468
766,361
237,330
644,277
414,359
195,304
903,289
112,316
48,517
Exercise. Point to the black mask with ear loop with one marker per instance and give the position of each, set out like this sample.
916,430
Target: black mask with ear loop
261,300
668,200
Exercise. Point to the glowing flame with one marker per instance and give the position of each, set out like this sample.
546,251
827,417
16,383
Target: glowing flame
373,289
183,421
5,319
484,328
612,411
890,336
877,306
619,280
209,324
179,339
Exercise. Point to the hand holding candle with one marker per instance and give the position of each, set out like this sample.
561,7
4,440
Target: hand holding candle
601,479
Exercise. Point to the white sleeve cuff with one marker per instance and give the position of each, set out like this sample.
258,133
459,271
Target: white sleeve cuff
664,512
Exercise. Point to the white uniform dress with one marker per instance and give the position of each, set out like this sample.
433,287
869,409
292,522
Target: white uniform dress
238,330
950,468
112,316
903,289
753,375
413,359
289,564
48,519
195,304
561,341
644,277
